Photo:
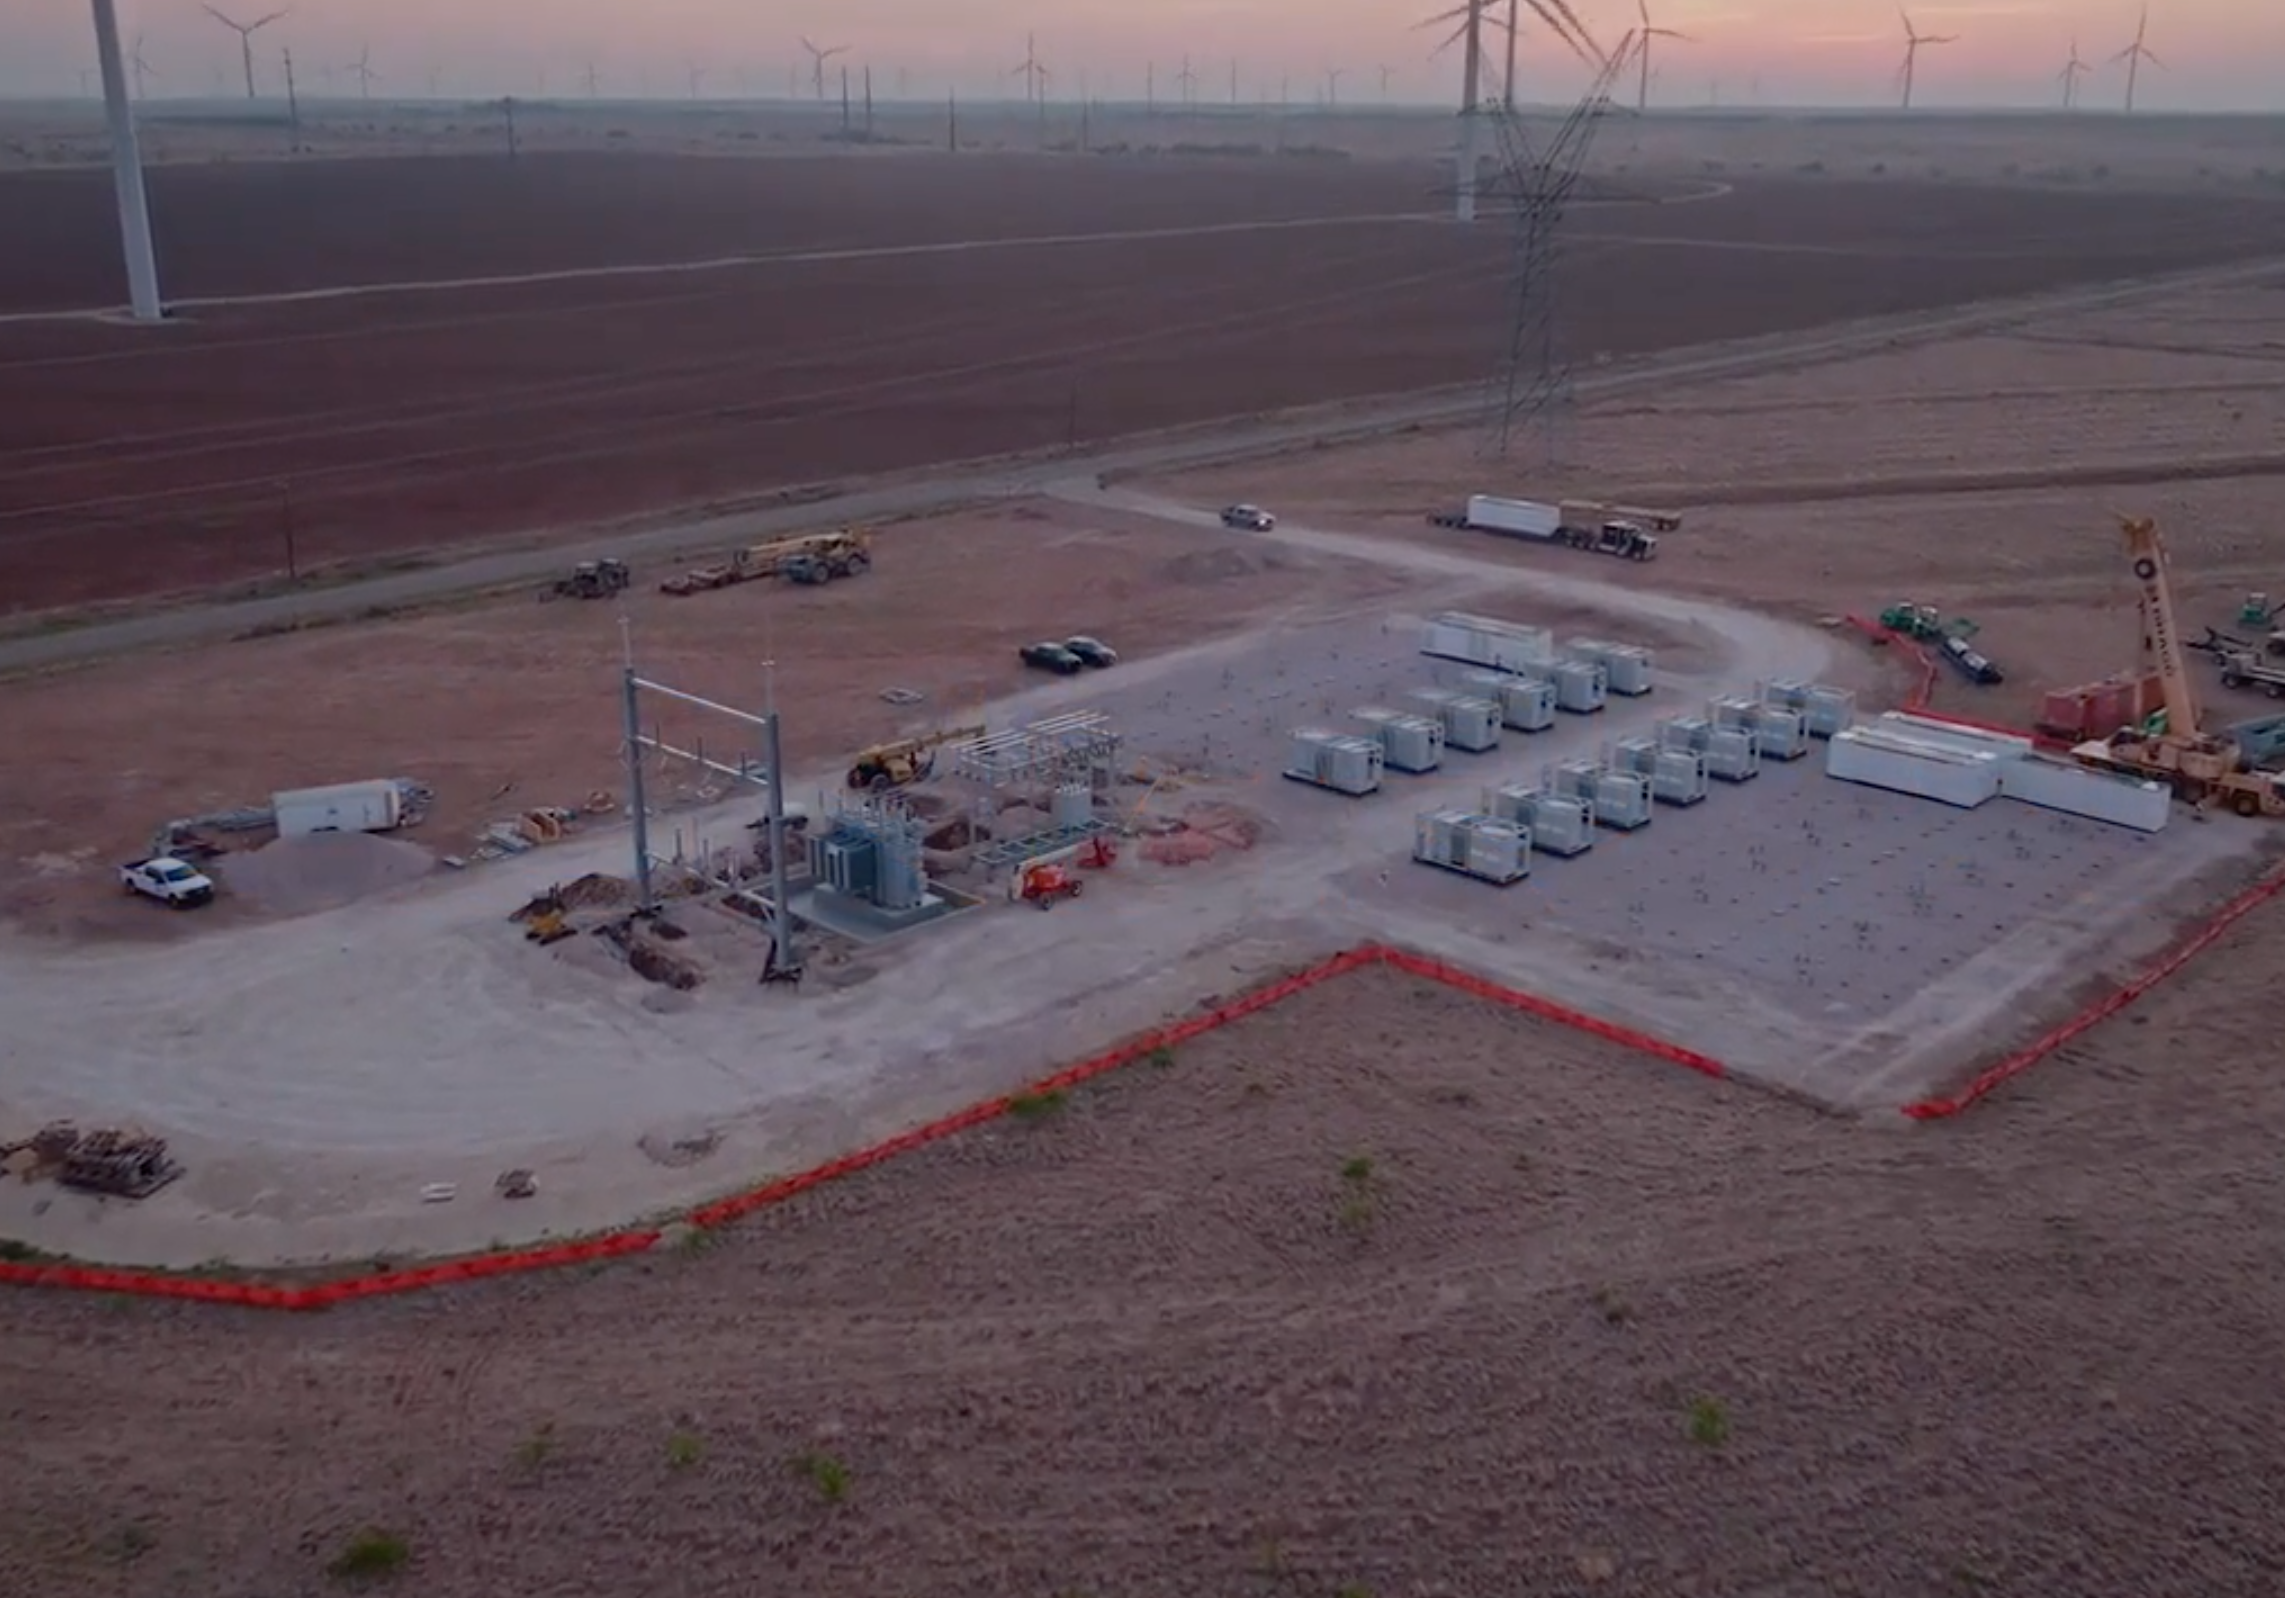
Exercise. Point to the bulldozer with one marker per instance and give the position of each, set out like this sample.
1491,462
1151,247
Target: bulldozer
904,760
2202,768
813,558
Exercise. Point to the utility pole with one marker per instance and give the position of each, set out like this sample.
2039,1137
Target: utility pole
786,961
952,121
508,110
844,102
868,102
1150,88
286,503
1233,81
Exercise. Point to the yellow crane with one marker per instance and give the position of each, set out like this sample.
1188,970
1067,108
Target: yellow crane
2201,767
902,760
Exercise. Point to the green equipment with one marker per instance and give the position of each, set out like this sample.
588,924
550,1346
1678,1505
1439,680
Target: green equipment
1925,622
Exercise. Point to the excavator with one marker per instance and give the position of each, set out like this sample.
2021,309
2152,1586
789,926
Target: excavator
903,760
2202,768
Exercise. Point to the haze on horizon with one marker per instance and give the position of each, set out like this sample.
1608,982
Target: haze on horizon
2218,55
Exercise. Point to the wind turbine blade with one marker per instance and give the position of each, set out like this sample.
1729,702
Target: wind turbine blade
1571,42
2151,56
1457,14
266,21
218,16
1580,30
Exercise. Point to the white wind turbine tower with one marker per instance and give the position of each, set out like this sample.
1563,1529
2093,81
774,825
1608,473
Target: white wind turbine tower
126,170
143,68
2135,54
2073,70
245,32
1030,69
1189,80
362,70
1643,36
817,60
1913,40
1471,15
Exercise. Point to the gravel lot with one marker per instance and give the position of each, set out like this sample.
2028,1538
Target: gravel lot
1162,1341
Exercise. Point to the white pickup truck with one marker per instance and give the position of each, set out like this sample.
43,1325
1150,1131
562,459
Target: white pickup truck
167,880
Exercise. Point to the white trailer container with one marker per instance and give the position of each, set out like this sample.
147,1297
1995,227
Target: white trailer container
374,806
1626,667
1732,753
1408,742
1557,825
1335,760
1474,845
1622,800
1527,704
1517,518
2115,797
1678,777
1881,757
1487,641
1581,686
1470,722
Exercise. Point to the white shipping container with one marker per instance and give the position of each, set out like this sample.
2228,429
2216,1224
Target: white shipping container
374,806
1885,759
2124,801
1487,641
1519,518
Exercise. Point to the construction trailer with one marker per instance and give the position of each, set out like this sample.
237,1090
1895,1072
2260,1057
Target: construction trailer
1558,824
374,806
1487,641
1474,845
1409,743
1903,760
1471,722
1526,704
1676,776
1517,518
1339,761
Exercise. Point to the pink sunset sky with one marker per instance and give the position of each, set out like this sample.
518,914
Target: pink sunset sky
2217,54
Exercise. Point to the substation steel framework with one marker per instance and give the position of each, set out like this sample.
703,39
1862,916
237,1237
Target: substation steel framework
785,960
1532,389
1079,746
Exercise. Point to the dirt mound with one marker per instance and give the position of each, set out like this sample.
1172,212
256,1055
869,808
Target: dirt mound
294,876
1204,566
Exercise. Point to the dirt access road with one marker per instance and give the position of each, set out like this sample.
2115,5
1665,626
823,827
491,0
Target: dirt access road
363,428
42,650
1130,1348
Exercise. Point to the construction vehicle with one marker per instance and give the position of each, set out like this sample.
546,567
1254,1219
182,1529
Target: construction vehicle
2202,768
1925,624
1592,513
2242,668
1623,539
2257,611
808,559
591,579
1043,885
903,760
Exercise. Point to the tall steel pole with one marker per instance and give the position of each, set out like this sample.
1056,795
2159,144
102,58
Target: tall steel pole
781,933
127,171
645,900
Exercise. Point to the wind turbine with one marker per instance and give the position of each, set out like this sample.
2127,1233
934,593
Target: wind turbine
362,70
817,60
1384,72
1031,70
1643,36
1913,40
1187,79
2073,70
245,32
1333,85
143,69
2135,54
1471,16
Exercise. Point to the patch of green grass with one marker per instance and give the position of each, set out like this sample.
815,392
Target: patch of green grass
1360,1193
1354,1589
1615,1308
825,1473
1709,1422
534,1450
1357,1170
17,1251
1038,1106
371,1555
683,1450
1162,1057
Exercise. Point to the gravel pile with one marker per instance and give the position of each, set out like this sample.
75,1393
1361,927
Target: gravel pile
294,876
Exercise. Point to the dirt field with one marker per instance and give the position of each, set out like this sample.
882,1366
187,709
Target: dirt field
347,429
533,696
1172,1338
1978,475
